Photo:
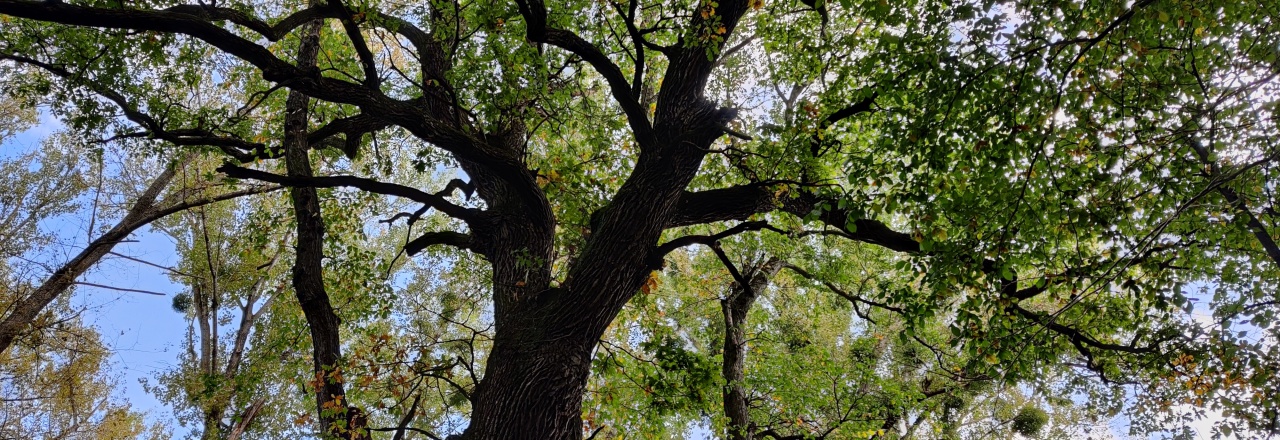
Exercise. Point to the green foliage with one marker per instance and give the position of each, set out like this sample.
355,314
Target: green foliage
682,378
55,379
1029,421
1030,200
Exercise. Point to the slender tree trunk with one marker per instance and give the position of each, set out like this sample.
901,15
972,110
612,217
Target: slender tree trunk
213,423
143,212
735,309
246,418
336,418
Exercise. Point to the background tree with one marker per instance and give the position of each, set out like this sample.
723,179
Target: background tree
54,380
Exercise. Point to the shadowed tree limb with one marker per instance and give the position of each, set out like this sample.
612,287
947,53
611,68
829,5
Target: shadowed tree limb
337,417
299,181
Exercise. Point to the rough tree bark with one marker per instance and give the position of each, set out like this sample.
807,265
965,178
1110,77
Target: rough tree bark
544,334
336,418
735,309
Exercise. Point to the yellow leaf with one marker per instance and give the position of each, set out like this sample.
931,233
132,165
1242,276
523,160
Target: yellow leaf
650,284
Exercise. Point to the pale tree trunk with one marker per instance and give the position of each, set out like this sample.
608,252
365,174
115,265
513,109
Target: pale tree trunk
143,211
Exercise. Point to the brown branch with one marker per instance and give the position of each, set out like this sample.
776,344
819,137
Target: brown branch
849,111
408,417
843,294
741,202
345,16
1077,336
370,185
536,30
449,238
409,114
657,254
733,269
271,32
1233,198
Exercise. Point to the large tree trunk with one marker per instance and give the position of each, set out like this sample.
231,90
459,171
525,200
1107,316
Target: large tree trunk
532,390
545,337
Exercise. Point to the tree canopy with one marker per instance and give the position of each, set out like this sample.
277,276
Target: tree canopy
765,219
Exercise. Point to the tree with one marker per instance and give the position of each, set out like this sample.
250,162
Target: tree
1050,176
53,380
231,270
812,358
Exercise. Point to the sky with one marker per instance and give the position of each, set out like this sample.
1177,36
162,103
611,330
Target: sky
143,331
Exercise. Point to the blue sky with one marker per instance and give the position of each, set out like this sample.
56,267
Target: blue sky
143,331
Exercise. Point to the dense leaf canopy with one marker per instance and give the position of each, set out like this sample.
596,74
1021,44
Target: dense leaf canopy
768,219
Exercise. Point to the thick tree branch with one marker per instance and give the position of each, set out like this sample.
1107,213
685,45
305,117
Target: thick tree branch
741,202
849,111
1214,172
535,14
346,17
370,185
409,114
230,145
690,66
1077,336
448,238
271,32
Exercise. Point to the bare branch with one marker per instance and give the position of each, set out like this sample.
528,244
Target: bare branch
370,185
844,294
122,289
